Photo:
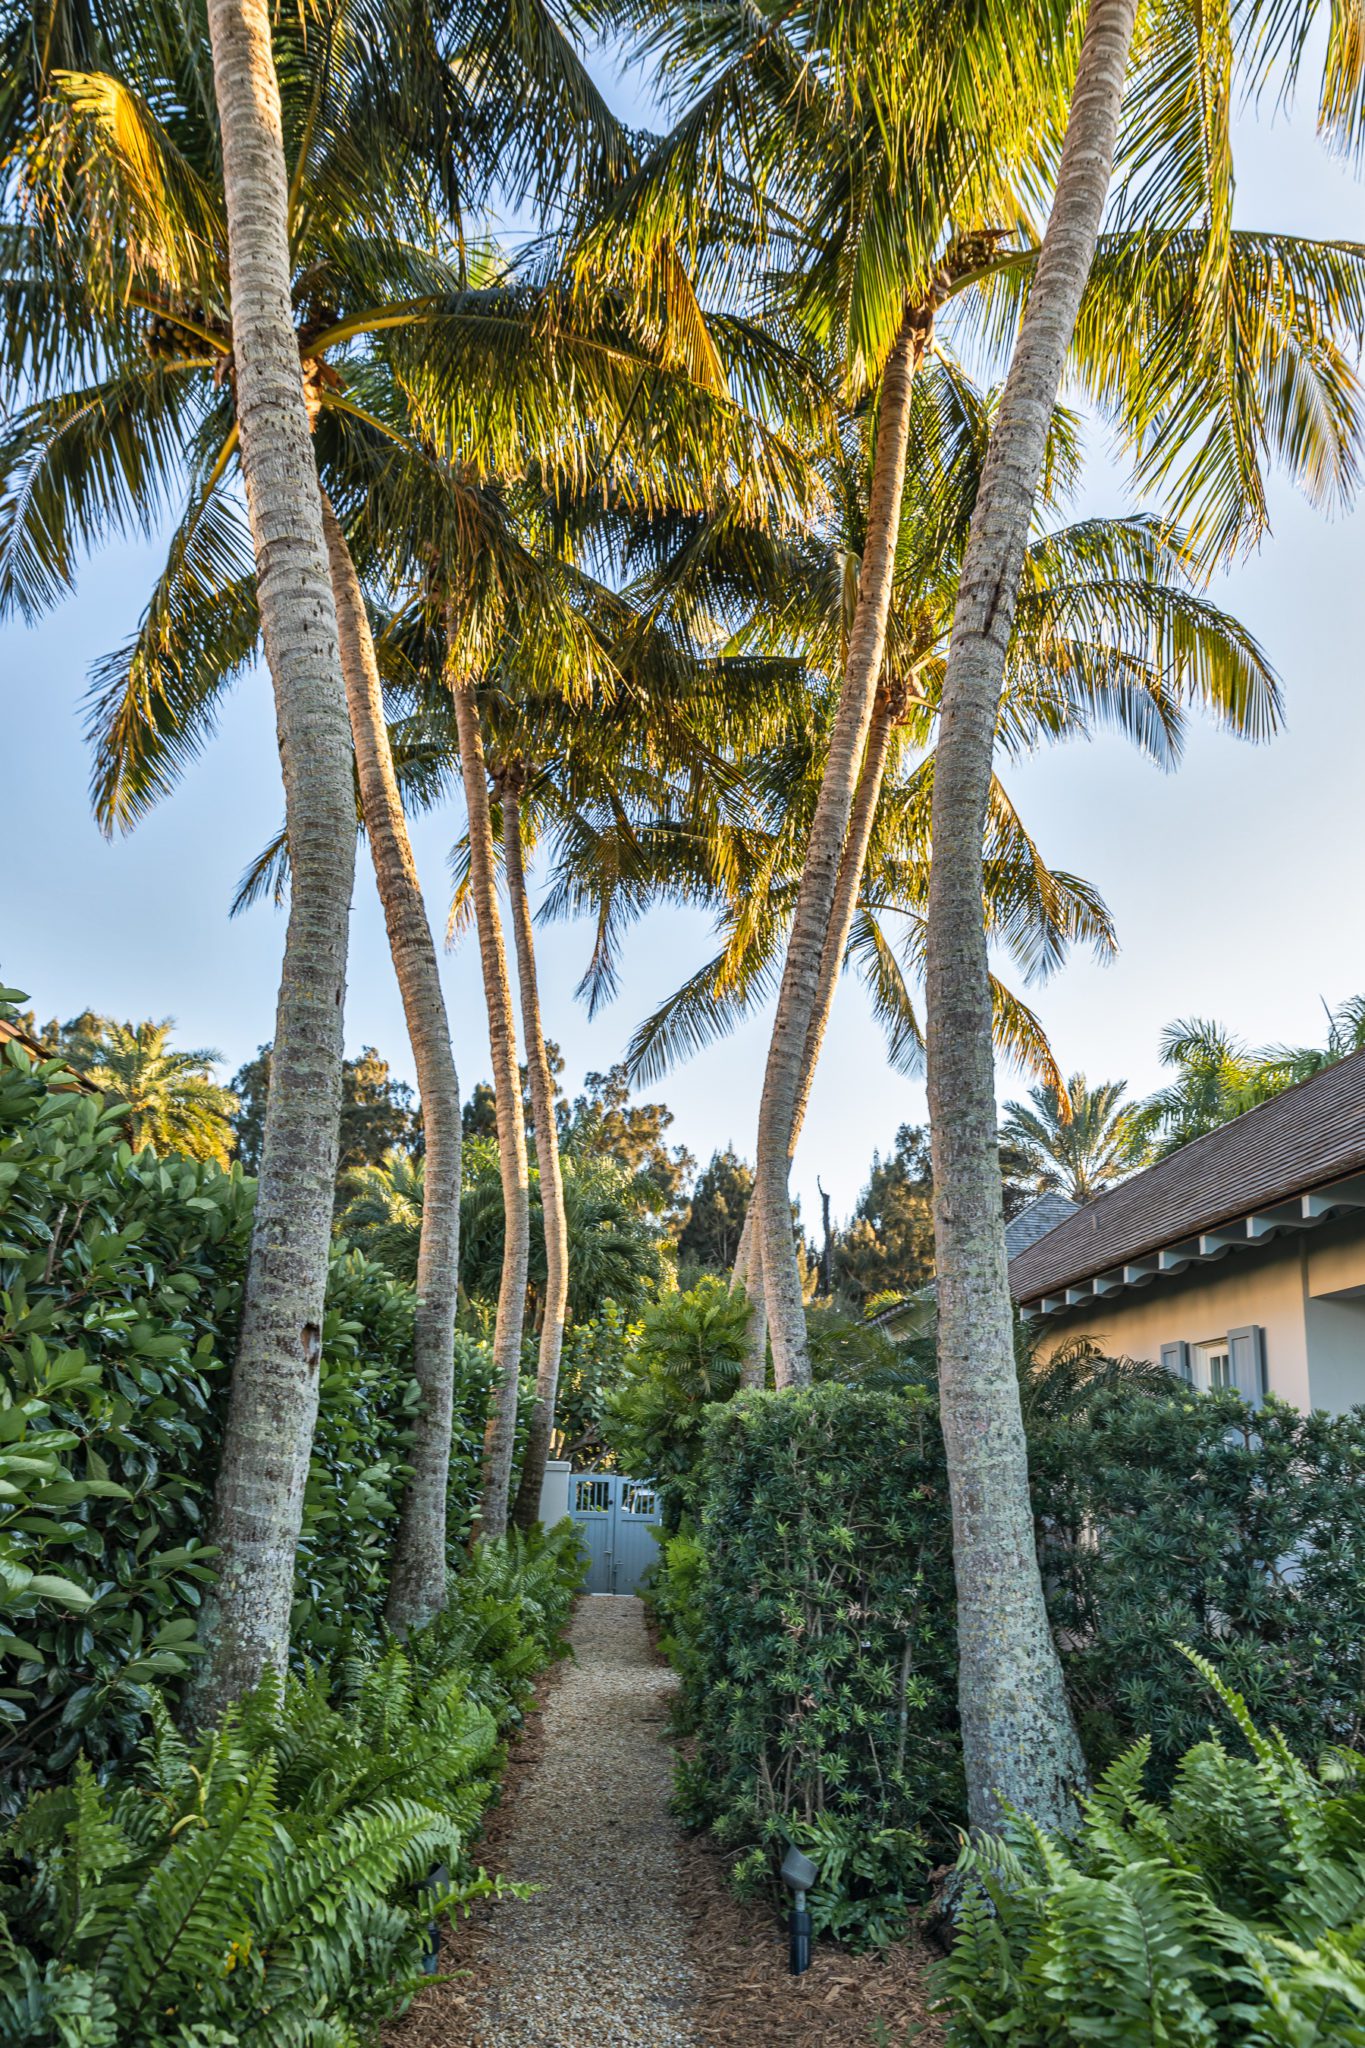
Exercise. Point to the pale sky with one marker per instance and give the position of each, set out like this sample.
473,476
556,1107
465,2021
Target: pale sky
1236,883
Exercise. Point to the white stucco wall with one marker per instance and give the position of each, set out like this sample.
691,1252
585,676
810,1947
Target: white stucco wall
554,1492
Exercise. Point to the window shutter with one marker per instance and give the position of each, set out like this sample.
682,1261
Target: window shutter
1246,1352
1176,1360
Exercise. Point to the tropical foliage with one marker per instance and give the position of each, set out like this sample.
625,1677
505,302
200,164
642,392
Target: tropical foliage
272,1881
169,1096
1231,1911
1216,1076
120,1284
1078,1140
809,1592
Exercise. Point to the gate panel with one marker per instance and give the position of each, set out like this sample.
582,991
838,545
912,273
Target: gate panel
617,1520
637,1533
592,1504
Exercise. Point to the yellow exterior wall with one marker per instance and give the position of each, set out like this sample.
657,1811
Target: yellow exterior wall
1203,1304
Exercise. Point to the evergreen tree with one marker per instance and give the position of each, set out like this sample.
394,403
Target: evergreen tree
715,1219
378,1113
889,1245
604,1120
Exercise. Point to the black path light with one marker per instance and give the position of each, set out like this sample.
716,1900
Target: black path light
798,1874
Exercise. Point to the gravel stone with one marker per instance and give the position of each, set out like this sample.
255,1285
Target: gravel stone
600,1955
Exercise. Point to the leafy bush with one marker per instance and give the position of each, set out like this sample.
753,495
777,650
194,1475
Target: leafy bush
1188,1518
117,1274
269,1883
820,1665
689,1354
1234,1913
120,1282
594,1359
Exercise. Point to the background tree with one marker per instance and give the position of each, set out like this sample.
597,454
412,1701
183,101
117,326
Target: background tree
174,1103
378,1113
1217,1076
715,1216
889,1243
603,1119
1079,1143
615,1249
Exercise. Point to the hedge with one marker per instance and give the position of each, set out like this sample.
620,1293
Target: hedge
809,1610
821,1645
120,1280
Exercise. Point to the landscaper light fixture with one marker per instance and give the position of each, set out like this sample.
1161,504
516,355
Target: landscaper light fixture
798,1874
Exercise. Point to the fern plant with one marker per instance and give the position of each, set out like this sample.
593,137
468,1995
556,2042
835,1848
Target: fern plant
268,1884
1230,1914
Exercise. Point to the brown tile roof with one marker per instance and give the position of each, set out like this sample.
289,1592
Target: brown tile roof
1311,1134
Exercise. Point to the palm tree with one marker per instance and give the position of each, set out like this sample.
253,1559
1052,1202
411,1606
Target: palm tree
1018,1739
825,119
1079,1141
614,1249
173,1102
272,1405
526,1511
1218,1076
499,1438
354,196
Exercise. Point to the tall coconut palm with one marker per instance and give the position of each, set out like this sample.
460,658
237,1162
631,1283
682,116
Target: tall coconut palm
526,1512
354,199
1018,1740
267,1437
1080,1142
500,1435
876,136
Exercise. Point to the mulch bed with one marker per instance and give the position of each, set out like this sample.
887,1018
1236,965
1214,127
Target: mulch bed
840,2002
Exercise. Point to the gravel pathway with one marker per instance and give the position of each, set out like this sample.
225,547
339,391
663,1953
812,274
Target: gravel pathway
599,1957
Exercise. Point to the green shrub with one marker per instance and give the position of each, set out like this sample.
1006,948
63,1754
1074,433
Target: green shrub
120,1282
820,1673
1231,1914
688,1357
1188,1518
268,1884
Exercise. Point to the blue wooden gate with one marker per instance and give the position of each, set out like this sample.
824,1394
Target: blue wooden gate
618,1520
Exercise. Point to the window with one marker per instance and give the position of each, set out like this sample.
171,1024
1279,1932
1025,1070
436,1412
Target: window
1236,1360
1213,1364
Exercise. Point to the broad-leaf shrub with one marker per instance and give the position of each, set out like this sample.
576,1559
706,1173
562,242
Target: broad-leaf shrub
120,1282
688,1356
1232,1913
820,1661
269,1883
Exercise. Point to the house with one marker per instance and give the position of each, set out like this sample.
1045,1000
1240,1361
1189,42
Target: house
1237,1261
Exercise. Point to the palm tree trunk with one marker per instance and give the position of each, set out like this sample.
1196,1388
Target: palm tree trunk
417,1581
527,1510
272,1405
748,1270
886,711
1018,1738
499,1441
786,1078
